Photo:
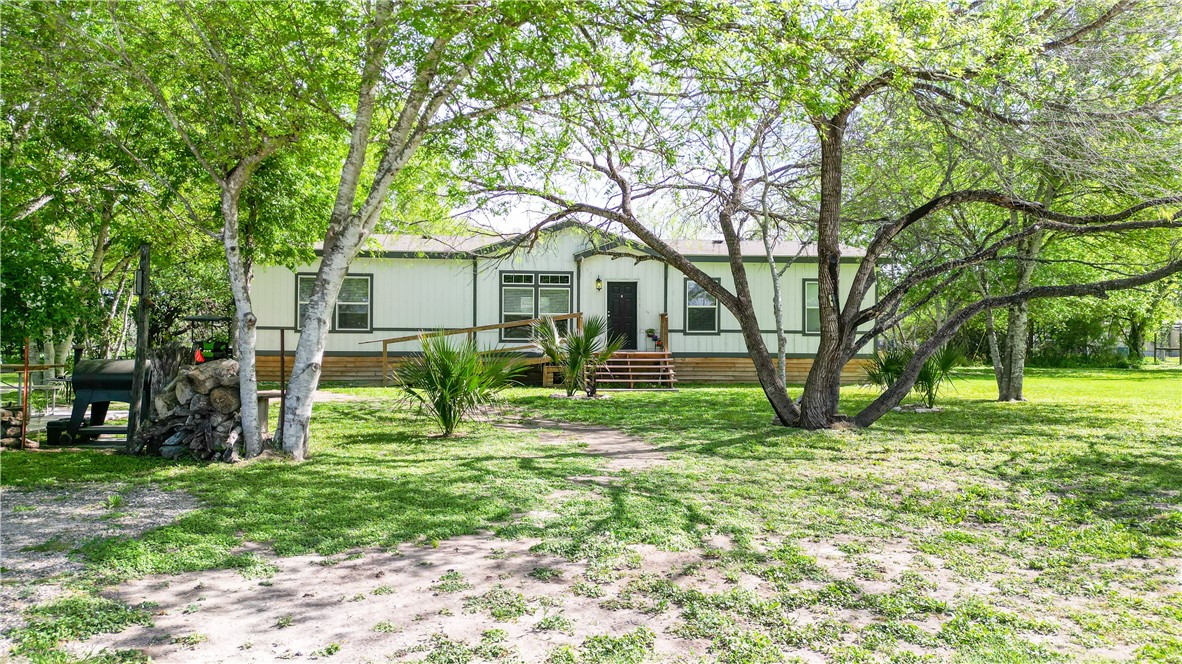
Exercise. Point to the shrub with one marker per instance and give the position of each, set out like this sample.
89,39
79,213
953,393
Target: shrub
451,380
886,367
579,352
936,371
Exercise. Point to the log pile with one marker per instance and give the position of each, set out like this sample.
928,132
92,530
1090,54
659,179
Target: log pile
10,427
197,413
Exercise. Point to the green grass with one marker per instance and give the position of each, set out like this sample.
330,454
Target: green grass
72,618
1064,505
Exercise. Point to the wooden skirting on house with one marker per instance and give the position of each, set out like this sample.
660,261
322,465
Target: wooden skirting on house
368,369
742,370
345,368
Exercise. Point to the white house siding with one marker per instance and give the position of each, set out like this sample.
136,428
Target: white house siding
729,339
408,295
413,294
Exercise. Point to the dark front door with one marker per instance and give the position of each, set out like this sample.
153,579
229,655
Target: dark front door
621,311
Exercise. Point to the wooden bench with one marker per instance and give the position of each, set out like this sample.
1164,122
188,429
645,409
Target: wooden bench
265,397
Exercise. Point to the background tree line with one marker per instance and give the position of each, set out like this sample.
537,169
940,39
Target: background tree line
988,158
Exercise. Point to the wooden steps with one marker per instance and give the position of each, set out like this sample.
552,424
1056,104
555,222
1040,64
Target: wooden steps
637,370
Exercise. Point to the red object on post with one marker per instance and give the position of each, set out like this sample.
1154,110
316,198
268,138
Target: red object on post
198,357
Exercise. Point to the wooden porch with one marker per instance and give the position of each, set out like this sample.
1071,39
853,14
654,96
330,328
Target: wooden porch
626,370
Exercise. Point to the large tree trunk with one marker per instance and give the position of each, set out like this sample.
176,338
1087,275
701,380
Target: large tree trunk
314,327
1017,331
244,318
1136,338
818,404
1014,356
347,228
47,349
63,351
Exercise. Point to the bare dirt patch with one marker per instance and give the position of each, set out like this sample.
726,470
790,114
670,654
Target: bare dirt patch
323,396
376,606
42,527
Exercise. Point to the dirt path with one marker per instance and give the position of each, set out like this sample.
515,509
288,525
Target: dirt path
619,450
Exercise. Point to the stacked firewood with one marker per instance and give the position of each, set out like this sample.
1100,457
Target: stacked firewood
10,426
197,413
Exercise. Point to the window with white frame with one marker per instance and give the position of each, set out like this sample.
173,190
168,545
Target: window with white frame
701,310
812,308
353,310
526,295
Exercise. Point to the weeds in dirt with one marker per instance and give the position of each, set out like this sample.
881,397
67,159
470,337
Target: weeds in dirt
451,582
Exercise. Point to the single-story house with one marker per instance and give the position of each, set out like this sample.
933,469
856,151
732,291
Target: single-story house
402,284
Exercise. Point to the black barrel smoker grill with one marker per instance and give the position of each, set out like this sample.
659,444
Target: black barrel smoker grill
96,384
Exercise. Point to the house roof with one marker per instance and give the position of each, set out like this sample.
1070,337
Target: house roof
752,248
399,245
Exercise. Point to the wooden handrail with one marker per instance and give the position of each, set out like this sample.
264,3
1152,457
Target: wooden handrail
466,330
471,332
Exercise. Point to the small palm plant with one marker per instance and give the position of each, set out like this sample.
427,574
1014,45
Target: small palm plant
886,367
578,352
452,380
936,371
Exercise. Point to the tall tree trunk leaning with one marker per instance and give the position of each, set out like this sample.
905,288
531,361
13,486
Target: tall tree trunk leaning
246,157
990,330
765,227
139,377
344,235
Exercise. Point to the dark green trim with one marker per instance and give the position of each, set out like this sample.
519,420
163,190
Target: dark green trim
763,259
665,310
694,334
578,284
685,313
804,307
373,329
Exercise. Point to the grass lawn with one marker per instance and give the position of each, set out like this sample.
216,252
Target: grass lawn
1043,531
